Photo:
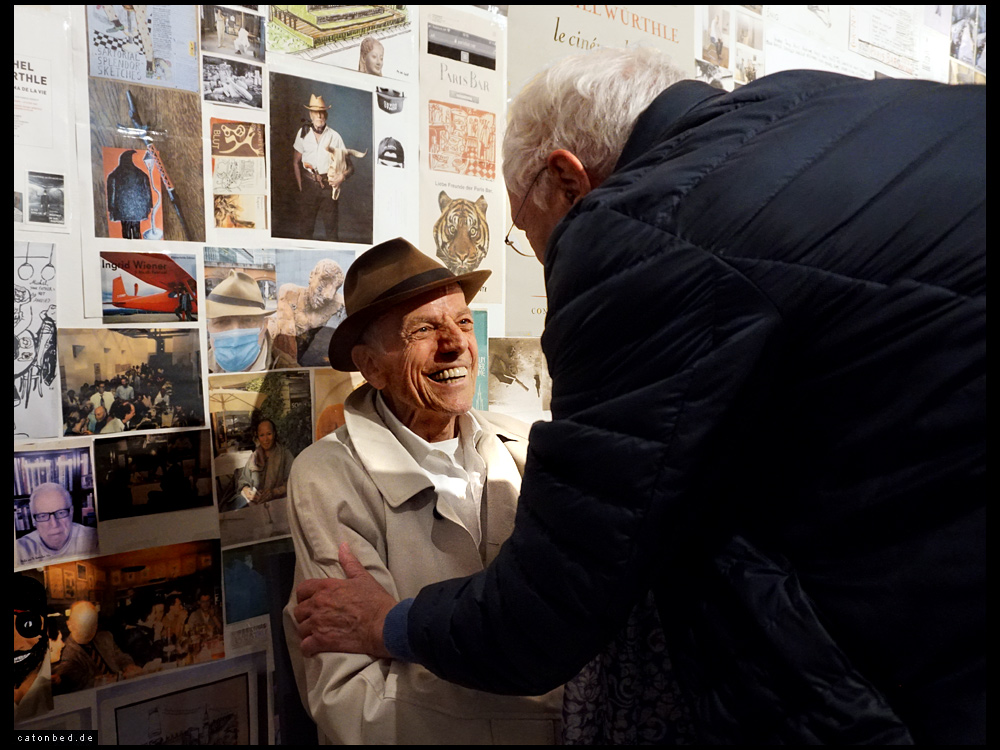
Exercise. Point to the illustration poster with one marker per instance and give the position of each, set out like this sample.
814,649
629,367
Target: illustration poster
380,40
36,381
149,44
462,201
239,177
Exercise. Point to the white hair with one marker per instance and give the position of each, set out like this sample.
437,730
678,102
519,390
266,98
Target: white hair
586,104
48,487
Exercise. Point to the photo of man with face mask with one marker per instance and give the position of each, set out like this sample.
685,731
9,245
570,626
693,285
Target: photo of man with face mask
237,328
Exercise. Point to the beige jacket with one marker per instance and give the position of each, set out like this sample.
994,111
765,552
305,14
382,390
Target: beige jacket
359,485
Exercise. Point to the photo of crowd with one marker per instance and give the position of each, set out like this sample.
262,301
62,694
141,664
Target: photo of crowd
120,616
156,381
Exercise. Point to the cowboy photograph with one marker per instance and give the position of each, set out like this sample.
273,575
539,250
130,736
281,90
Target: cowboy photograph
321,174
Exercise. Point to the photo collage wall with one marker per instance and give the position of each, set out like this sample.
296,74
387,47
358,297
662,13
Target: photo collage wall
191,186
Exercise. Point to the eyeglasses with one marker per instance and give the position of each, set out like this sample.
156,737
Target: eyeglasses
58,514
507,240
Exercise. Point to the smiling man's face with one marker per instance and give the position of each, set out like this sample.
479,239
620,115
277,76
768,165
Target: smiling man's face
423,360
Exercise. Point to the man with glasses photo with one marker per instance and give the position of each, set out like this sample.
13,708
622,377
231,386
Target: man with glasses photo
56,534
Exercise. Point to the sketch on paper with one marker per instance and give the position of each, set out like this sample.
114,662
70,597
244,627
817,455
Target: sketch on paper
462,140
36,402
238,175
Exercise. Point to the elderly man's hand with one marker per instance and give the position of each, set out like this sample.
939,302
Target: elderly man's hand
343,615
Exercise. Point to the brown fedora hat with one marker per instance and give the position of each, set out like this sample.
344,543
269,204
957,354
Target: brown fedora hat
387,274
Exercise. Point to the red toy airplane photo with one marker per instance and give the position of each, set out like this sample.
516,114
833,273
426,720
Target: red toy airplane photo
179,295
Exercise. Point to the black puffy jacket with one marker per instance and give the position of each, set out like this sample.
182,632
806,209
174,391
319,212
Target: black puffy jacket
767,340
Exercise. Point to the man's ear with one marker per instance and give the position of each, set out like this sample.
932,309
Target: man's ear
367,361
569,175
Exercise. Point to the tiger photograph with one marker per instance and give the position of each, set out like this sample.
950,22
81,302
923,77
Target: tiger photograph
461,234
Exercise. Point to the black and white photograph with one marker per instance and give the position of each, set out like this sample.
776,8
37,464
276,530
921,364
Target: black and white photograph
144,475
124,379
519,382
232,82
54,512
46,198
322,160
713,75
225,31
964,33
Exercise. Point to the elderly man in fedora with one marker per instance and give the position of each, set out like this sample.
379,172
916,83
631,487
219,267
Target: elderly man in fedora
313,144
237,328
421,487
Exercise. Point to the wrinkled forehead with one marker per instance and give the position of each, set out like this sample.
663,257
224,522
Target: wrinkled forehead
47,501
427,306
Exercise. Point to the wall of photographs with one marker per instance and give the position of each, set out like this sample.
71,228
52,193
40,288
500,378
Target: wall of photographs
162,153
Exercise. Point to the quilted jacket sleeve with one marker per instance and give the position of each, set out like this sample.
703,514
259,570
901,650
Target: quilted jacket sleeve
651,343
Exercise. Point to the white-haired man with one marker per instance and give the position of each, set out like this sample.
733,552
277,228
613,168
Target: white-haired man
766,333
56,534
422,489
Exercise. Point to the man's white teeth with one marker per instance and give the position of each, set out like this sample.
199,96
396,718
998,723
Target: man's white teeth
453,372
22,657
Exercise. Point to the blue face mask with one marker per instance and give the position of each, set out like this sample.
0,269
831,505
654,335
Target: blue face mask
237,349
